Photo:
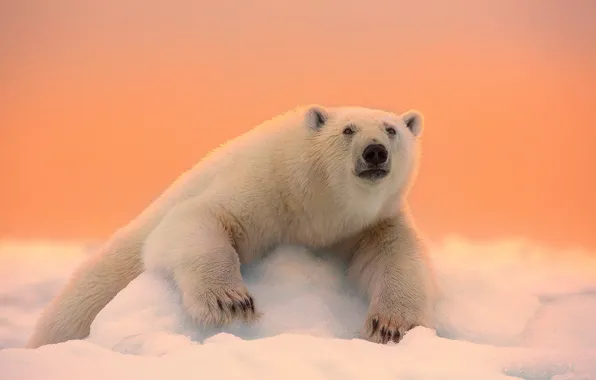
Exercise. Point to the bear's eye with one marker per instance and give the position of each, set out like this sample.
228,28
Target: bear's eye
348,131
391,130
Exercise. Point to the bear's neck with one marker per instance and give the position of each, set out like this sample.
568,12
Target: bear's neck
320,214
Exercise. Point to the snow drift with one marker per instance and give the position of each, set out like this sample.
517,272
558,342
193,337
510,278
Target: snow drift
510,310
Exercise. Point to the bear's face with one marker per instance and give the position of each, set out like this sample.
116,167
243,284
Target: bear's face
365,147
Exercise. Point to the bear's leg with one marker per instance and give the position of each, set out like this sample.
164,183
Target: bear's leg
193,245
390,265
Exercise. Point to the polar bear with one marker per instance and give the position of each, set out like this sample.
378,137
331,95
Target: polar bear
326,178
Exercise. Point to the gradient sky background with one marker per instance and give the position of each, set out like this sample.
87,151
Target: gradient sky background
103,104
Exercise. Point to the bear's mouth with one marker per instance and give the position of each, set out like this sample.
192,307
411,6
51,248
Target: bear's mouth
373,174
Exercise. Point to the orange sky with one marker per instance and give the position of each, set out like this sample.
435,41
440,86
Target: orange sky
102,105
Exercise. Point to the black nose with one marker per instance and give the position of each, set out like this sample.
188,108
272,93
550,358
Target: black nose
375,154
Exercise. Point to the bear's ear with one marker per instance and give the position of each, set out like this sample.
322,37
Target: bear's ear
413,120
316,117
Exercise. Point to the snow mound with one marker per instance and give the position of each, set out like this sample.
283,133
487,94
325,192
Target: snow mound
510,310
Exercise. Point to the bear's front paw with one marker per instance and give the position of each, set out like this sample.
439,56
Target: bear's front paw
384,325
220,305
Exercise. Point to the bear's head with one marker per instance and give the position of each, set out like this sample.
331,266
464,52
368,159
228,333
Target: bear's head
364,148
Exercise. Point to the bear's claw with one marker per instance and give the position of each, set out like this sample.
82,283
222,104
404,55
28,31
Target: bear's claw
245,304
383,329
221,306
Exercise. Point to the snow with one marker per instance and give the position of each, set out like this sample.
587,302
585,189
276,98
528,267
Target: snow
511,310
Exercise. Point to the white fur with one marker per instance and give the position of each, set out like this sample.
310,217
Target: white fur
290,180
